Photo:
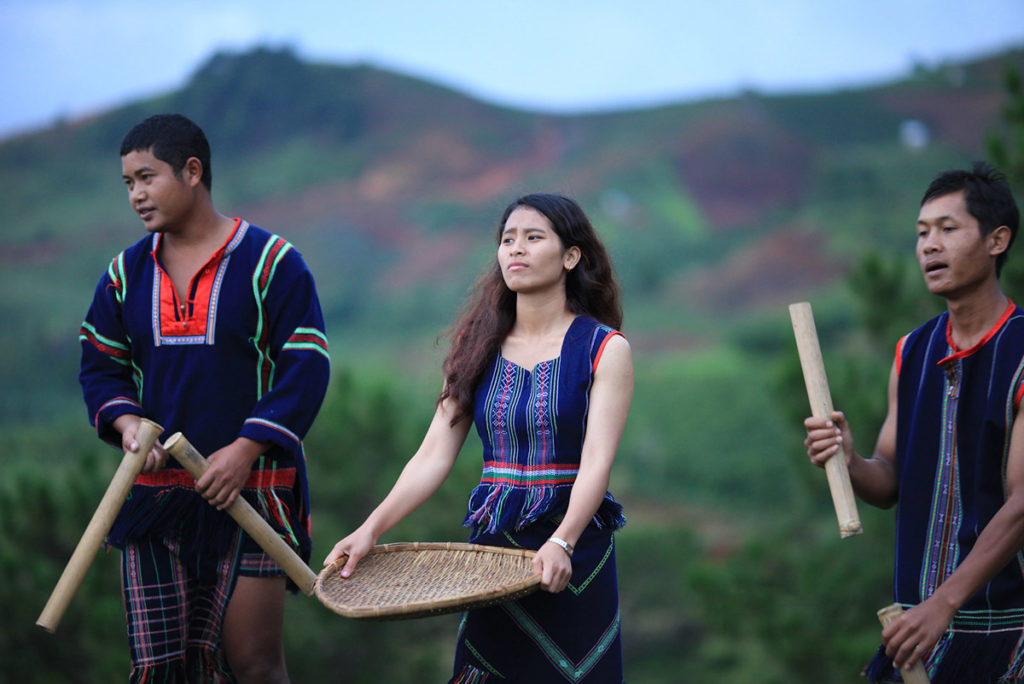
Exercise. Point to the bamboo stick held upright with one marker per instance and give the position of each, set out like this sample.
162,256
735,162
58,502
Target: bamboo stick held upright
247,518
109,506
821,407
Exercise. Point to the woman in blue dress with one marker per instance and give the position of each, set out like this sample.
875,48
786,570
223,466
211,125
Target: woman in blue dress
537,364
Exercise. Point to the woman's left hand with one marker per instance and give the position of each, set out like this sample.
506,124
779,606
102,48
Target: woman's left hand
554,566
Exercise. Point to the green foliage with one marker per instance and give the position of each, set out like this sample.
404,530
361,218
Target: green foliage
891,300
845,117
703,430
866,195
230,98
43,512
365,433
661,629
650,226
1007,151
796,604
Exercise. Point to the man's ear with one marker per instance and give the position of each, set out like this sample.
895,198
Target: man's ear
999,240
192,172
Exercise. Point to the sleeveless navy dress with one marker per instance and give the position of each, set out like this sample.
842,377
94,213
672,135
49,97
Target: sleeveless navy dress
532,424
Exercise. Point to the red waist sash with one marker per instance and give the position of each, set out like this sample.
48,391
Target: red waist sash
258,479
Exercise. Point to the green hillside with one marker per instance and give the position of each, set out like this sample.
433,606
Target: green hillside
714,211
717,214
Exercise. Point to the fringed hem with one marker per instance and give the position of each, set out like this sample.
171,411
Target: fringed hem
178,511
469,675
202,663
959,657
494,508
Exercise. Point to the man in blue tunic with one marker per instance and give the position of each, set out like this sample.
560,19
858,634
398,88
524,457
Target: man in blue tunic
950,454
209,326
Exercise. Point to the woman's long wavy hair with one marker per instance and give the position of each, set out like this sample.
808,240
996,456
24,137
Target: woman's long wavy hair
489,313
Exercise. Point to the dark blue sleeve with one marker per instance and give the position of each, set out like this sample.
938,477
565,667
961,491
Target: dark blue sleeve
107,378
297,362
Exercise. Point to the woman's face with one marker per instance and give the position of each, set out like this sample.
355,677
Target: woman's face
530,253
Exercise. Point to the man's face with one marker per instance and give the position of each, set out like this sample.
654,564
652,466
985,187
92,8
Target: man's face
161,198
953,255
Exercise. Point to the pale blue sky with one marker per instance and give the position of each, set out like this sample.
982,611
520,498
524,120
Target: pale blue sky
66,58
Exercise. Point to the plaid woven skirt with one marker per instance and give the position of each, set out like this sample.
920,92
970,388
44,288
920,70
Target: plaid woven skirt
174,606
571,636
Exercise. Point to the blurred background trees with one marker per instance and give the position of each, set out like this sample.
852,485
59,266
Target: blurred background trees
731,568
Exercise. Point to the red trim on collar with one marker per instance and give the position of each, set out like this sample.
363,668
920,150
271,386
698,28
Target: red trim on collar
189,318
958,353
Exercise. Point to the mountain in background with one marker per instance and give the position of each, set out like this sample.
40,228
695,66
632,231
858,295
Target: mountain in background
717,213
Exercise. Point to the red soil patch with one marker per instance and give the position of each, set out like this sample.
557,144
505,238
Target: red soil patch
773,270
39,252
738,166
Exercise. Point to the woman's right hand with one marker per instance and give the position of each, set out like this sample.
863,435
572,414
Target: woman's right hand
355,546
420,478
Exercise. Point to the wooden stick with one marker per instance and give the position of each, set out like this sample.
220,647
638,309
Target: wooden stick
109,506
916,674
821,407
247,518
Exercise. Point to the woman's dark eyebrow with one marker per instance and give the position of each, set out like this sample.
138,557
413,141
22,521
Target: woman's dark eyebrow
528,229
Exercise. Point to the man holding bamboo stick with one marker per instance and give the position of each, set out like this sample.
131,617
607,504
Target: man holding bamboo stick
211,327
950,453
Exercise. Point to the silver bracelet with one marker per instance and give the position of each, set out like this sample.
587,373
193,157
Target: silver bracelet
566,546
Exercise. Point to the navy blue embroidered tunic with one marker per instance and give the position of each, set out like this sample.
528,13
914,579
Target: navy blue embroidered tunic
243,353
955,412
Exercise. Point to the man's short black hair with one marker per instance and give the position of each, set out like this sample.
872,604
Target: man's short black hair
173,139
988,199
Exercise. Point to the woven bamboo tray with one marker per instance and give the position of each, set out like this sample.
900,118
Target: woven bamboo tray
419,579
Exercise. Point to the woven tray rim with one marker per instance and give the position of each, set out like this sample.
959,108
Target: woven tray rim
424,608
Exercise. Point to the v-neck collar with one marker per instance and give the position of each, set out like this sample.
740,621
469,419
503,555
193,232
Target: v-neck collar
963,353
561,350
